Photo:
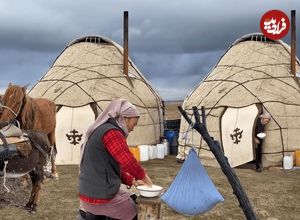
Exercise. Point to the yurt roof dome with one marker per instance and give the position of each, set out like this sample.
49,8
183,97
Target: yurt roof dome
90,70
253,70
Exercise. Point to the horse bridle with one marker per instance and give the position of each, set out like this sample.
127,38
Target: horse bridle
12,111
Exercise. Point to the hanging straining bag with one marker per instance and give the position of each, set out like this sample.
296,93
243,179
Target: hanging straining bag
192,192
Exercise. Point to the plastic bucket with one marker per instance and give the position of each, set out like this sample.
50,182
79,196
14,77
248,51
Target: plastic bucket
144,152
169,134
288,162
297,158
166,145
152,152
135,152
172,137
160,153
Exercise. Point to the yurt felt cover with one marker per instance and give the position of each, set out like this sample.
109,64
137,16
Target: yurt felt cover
192,192
254,70
237,126
89,71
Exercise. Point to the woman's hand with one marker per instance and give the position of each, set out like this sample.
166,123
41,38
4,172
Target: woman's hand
137,182
146,181
256,141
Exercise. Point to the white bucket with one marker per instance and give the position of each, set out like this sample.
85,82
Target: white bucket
160,154
288,162
144,152
166,145
152,152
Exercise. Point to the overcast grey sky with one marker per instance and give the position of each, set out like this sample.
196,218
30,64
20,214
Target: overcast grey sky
174,43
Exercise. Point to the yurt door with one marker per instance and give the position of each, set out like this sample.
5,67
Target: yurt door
71,125
237,134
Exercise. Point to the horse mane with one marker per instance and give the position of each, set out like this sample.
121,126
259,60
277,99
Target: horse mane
27,116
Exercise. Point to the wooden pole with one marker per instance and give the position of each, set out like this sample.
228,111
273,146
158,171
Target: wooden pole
215,148
293,42
125,43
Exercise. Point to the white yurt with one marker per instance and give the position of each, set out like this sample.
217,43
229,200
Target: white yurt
253,75
82,81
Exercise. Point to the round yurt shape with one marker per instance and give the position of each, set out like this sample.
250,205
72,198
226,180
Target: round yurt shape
83,80
253,76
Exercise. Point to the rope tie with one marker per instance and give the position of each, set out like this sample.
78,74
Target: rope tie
4,177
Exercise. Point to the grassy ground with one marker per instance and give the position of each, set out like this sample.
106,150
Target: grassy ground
274,194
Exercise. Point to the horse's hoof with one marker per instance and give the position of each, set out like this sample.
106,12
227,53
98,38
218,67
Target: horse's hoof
33,209
28,207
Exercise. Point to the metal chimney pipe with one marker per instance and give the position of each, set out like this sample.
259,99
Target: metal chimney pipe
293,42
125,44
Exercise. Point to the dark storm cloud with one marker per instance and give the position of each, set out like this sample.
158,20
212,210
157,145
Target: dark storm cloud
168,40
23,67
174,76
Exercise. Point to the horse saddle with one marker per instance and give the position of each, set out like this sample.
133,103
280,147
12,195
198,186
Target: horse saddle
14,146
11,131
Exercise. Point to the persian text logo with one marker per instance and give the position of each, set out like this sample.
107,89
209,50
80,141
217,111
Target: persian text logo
274,24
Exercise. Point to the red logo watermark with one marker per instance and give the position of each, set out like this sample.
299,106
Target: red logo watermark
274,24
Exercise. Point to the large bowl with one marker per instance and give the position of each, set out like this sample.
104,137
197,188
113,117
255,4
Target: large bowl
148,191
261,135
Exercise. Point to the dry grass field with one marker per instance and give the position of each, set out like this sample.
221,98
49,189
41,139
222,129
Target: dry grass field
274,193
171,110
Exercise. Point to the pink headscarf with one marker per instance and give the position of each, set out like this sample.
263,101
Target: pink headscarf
117,109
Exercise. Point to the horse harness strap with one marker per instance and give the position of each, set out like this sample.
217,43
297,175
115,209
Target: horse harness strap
35,144
5,144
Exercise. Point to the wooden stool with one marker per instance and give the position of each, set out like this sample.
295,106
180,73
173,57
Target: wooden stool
148,208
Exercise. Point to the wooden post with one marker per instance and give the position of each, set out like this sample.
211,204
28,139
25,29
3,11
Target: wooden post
148,208
215,148
293,42
125,44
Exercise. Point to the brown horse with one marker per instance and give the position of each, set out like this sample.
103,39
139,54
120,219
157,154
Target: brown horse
31,113
28,156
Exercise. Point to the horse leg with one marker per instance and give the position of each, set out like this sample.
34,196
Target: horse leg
33,175
51,137
36,199
32,204
54,173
